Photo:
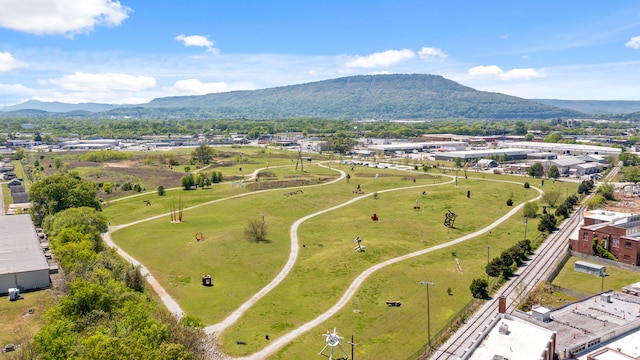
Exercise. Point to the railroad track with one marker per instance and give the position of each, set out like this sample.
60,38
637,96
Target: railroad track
528,276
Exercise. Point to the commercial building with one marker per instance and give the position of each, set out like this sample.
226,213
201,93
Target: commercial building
579,329
22,261
562,149
508,154
618,233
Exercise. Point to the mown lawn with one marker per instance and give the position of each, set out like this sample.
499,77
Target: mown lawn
616,278
327,263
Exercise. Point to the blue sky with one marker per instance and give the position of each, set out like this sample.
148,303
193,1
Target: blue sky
132,51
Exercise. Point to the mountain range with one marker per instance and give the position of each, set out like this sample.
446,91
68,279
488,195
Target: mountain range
381,97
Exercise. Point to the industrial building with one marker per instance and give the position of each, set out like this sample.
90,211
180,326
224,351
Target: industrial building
618,233
509,154
562,149
22,261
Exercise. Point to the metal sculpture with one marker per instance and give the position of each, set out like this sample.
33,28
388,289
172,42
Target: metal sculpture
358,247
333,340
449,219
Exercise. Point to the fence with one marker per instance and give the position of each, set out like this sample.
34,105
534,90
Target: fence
449,329
573,293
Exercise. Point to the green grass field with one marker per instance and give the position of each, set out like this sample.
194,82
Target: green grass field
17,323
616,278
327,263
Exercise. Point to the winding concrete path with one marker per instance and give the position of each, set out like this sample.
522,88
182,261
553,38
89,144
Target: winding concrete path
167,300
283,340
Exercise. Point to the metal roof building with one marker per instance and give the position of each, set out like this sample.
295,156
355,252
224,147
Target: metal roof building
22,261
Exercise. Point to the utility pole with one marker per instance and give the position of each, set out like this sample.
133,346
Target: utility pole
488,247
427,283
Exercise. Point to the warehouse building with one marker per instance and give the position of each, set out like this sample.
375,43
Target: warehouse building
22,261
508,154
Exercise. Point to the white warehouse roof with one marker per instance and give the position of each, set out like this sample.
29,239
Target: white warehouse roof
19,246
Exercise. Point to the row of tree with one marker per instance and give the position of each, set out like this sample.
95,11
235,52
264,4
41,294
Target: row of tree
201,179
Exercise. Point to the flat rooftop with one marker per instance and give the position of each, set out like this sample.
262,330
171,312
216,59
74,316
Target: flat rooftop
20,249
629,346
592,318
522,341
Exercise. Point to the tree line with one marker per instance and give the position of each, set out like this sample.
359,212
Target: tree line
107,311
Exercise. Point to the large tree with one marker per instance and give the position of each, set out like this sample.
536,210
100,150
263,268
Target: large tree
203,154
554,173
536,170
633,174
59,192
341,143
552,197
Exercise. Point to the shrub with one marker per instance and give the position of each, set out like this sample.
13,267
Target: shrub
526,185
509,202
547,223
161,191
479,288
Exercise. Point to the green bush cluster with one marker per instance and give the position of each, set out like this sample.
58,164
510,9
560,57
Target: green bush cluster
106,310
104,156
509,260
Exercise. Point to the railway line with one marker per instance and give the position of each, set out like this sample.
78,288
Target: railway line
536,270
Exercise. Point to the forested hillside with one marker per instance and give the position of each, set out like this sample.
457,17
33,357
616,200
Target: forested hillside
380,97
383,97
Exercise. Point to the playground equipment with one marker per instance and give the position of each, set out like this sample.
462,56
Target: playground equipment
333,340
200,237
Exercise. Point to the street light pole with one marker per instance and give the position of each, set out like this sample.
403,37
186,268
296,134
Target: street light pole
427,283
488,247
525,220
602,284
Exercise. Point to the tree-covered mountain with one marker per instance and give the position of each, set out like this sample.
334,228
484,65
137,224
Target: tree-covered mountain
602,107
380,97
384,97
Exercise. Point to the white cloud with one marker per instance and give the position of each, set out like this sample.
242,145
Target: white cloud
634,43
518,74
513,74
69,17
8,62
381,59
429,53
195,87
198,41
485,70
103,82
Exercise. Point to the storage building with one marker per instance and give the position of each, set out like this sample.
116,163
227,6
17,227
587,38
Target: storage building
22,261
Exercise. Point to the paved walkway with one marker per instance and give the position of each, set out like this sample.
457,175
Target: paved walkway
167,300
281,341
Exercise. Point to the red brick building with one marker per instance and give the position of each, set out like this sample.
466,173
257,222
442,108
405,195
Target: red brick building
619,231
